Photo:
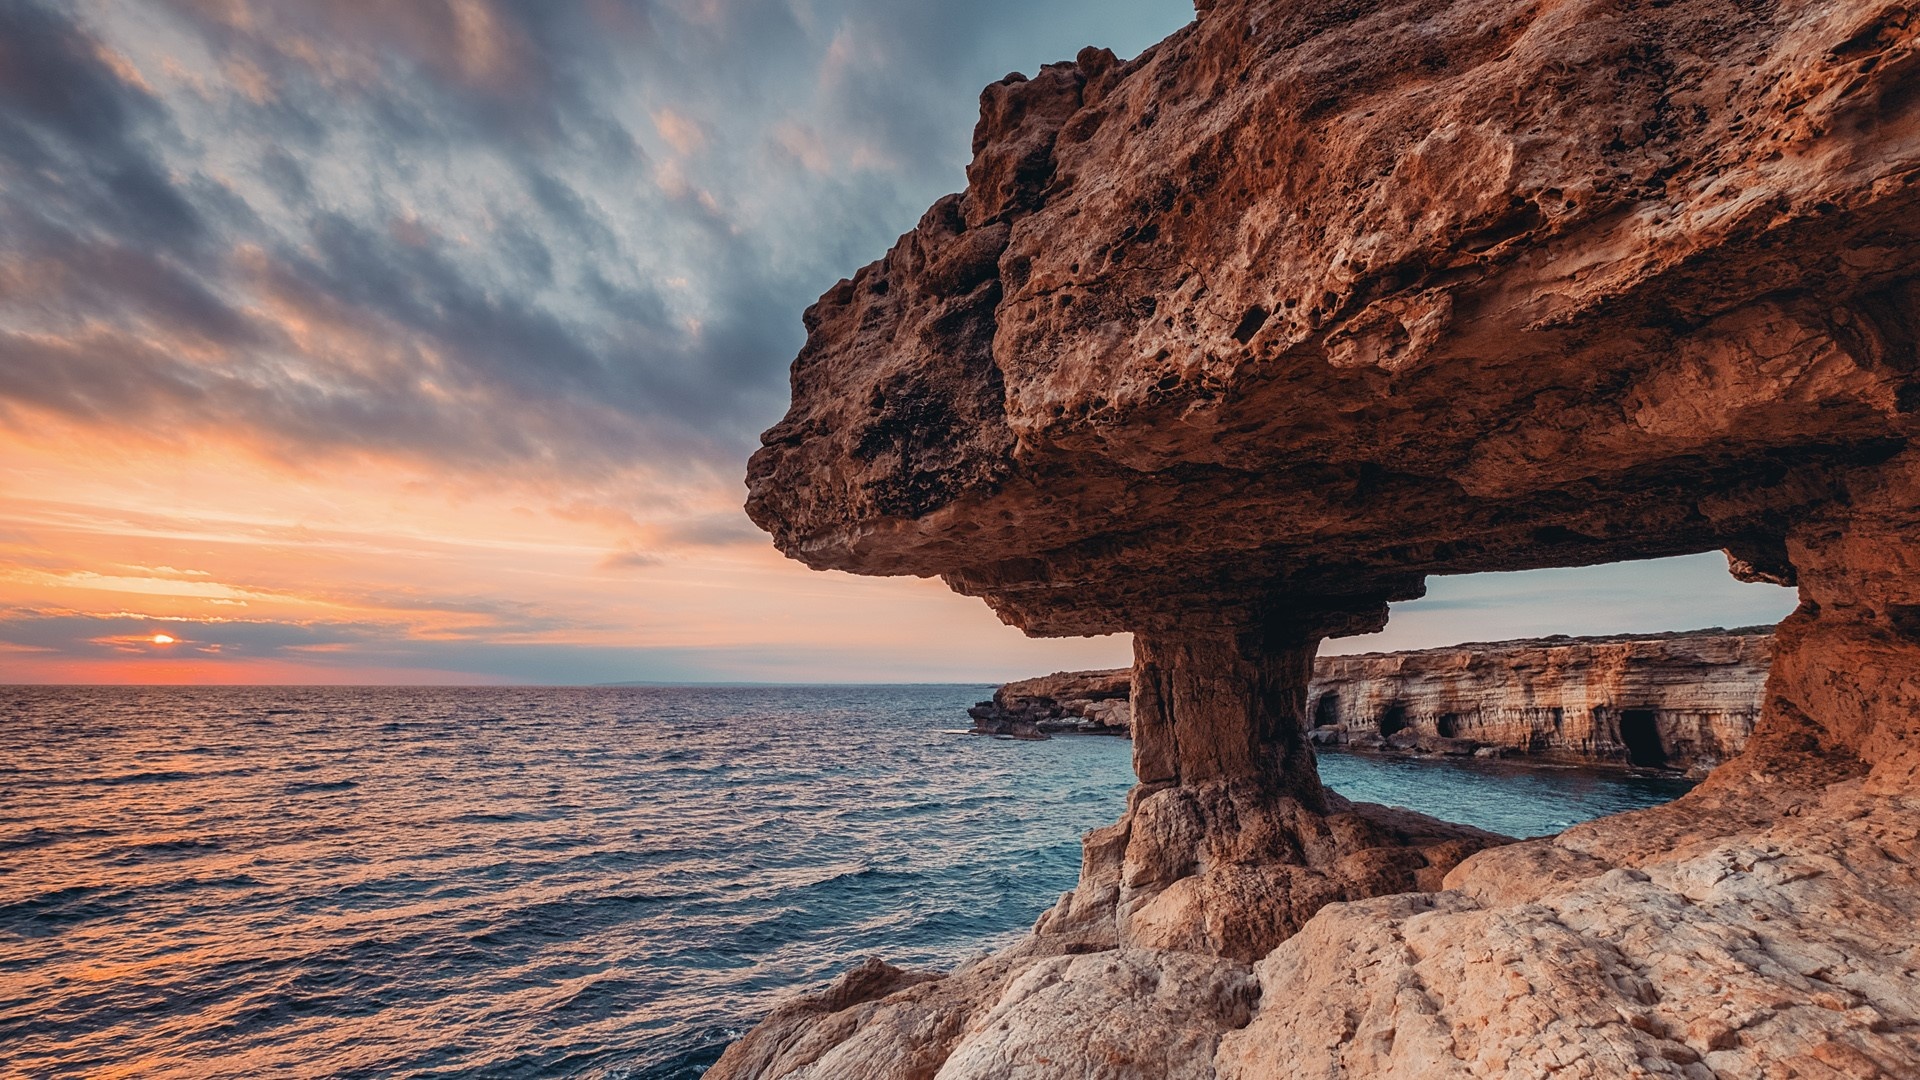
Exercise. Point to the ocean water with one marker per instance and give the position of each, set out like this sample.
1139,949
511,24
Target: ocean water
248,882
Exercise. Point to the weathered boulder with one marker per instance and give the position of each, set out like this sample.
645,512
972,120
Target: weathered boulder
1232,344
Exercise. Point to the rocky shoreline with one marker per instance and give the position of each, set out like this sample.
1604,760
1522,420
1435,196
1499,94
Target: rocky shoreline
1063,703
1675,702
1681,702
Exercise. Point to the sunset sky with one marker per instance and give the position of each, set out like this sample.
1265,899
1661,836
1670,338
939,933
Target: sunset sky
426,342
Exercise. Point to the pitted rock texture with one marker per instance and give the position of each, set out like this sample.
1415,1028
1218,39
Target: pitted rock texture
1663,701
1313,299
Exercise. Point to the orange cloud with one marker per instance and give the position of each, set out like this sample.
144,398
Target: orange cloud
364,569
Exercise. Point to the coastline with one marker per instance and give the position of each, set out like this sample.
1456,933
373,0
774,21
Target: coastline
1672,702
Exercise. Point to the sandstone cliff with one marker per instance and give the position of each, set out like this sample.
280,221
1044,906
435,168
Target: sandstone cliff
1665,701
1232,344
1680,701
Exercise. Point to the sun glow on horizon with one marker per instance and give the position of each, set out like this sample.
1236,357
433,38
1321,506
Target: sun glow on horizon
379,569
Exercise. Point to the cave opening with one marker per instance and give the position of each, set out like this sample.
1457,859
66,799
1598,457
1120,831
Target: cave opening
1393,719
1326,711
1448,726
1641,735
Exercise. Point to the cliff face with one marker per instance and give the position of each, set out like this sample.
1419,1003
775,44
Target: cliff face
1232,344
1670,701
1681,701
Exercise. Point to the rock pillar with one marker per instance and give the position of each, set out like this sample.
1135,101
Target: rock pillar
1224,703
1844,691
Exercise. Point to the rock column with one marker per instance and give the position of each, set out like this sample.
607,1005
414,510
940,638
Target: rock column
1222,702
1230,843
1844,692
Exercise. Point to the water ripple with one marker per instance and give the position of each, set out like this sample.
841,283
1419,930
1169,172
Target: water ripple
519,883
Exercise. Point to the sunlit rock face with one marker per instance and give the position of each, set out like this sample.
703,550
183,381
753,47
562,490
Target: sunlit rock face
1232,344
1311,300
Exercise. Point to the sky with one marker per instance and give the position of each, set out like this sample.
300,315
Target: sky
426,342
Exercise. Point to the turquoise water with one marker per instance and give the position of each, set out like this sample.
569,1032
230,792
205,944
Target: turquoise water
536,882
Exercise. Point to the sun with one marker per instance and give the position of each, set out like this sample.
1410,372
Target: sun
163,639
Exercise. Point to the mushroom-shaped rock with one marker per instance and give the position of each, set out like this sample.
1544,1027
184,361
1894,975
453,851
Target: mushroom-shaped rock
1232,344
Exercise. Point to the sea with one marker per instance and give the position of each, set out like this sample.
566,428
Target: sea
593,882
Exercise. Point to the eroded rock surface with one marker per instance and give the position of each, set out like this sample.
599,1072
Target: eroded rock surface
1234,343
1783,951
1663,701
1313,299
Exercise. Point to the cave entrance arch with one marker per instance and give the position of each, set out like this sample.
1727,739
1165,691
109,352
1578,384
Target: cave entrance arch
1393,719
1448,726
1326,711
1641,736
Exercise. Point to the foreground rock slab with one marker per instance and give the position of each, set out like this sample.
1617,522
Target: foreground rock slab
1787,951
1683,941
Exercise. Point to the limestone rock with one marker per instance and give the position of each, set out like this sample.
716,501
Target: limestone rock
1786,952
1313,299
1230,868
1671,701
1125,1014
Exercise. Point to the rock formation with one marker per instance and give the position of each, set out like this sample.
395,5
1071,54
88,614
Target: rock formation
1666,701
1232,344
1677,701
1075,702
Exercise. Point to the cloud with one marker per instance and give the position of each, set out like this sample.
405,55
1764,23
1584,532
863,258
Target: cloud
113,636
631,560
337,303
446,229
